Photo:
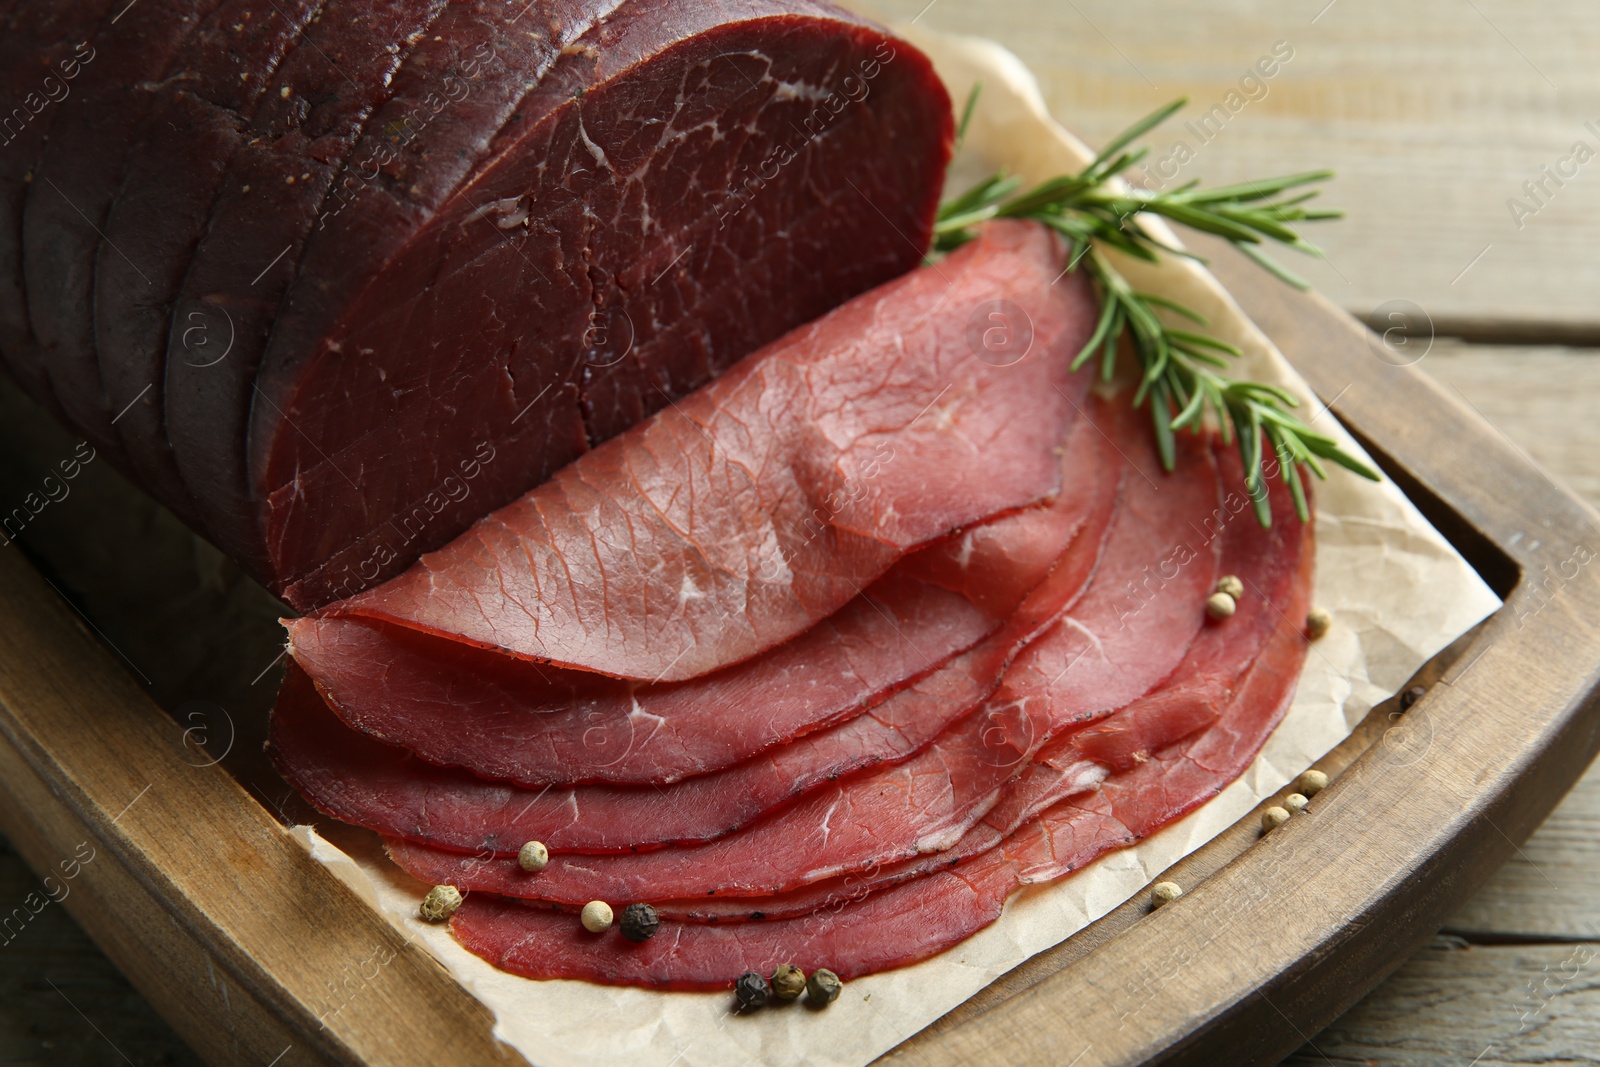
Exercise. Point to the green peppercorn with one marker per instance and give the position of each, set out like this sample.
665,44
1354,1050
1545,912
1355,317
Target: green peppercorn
441,902
752,990
822,988
639,922
788,982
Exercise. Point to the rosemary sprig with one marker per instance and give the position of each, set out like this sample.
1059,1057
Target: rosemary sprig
1183,370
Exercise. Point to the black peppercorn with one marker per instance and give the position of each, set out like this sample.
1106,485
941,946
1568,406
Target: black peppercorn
639,922
1411,696
752,990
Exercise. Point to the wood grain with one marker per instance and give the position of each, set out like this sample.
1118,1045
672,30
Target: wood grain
1480,1005
247,945
1434,112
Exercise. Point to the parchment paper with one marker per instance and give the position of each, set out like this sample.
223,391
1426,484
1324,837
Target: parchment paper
1397,591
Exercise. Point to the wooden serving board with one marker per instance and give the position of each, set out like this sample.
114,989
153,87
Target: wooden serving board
257,954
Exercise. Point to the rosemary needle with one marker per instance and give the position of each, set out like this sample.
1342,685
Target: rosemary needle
1183,371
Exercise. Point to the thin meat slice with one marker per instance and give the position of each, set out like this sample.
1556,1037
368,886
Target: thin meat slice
1190,699
67,202
159,213
509,719
919,919
763,503
927,803
384,788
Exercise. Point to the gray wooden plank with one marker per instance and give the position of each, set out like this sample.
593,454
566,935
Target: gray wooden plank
1459,1004
62,1003
1434,113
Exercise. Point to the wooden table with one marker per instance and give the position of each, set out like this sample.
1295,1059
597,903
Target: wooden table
1435,112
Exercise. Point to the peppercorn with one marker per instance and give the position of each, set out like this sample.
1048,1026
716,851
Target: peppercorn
1220,606
752,990
1230,584
440,903
1411,696
533,856
1295,803
822,988
788,982
1318,621
1273,818
596,916
1313,782
639,922
1164,893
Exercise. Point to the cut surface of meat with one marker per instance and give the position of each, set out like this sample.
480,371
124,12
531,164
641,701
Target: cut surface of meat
613,252
508,719
511,229
910,922
928,802
764,502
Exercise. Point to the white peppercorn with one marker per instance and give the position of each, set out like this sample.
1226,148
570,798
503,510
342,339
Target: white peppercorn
1164,893
1318,622
596,916
1312,782
1295,803
1220,606
1273,818
1230,584
533,856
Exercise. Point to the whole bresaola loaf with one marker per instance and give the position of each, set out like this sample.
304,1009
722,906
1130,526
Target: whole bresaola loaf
438,250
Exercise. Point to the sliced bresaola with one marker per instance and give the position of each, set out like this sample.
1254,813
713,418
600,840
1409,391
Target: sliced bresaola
159,212
919,919
67,201
672,197
43,51
358,780
745,513
508,719
1191,698
320,99
1101,657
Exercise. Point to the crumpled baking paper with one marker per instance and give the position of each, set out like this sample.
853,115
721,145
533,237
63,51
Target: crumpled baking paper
1398,593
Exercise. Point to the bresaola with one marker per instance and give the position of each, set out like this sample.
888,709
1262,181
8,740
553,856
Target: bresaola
509,230
744,514
1015,759
538,725
877,931
1097,658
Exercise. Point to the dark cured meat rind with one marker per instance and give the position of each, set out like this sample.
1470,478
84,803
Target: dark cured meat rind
42,53
336,76
870,432
160,210
599,263
67,202
917,920
507,719
1102,656
383,788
